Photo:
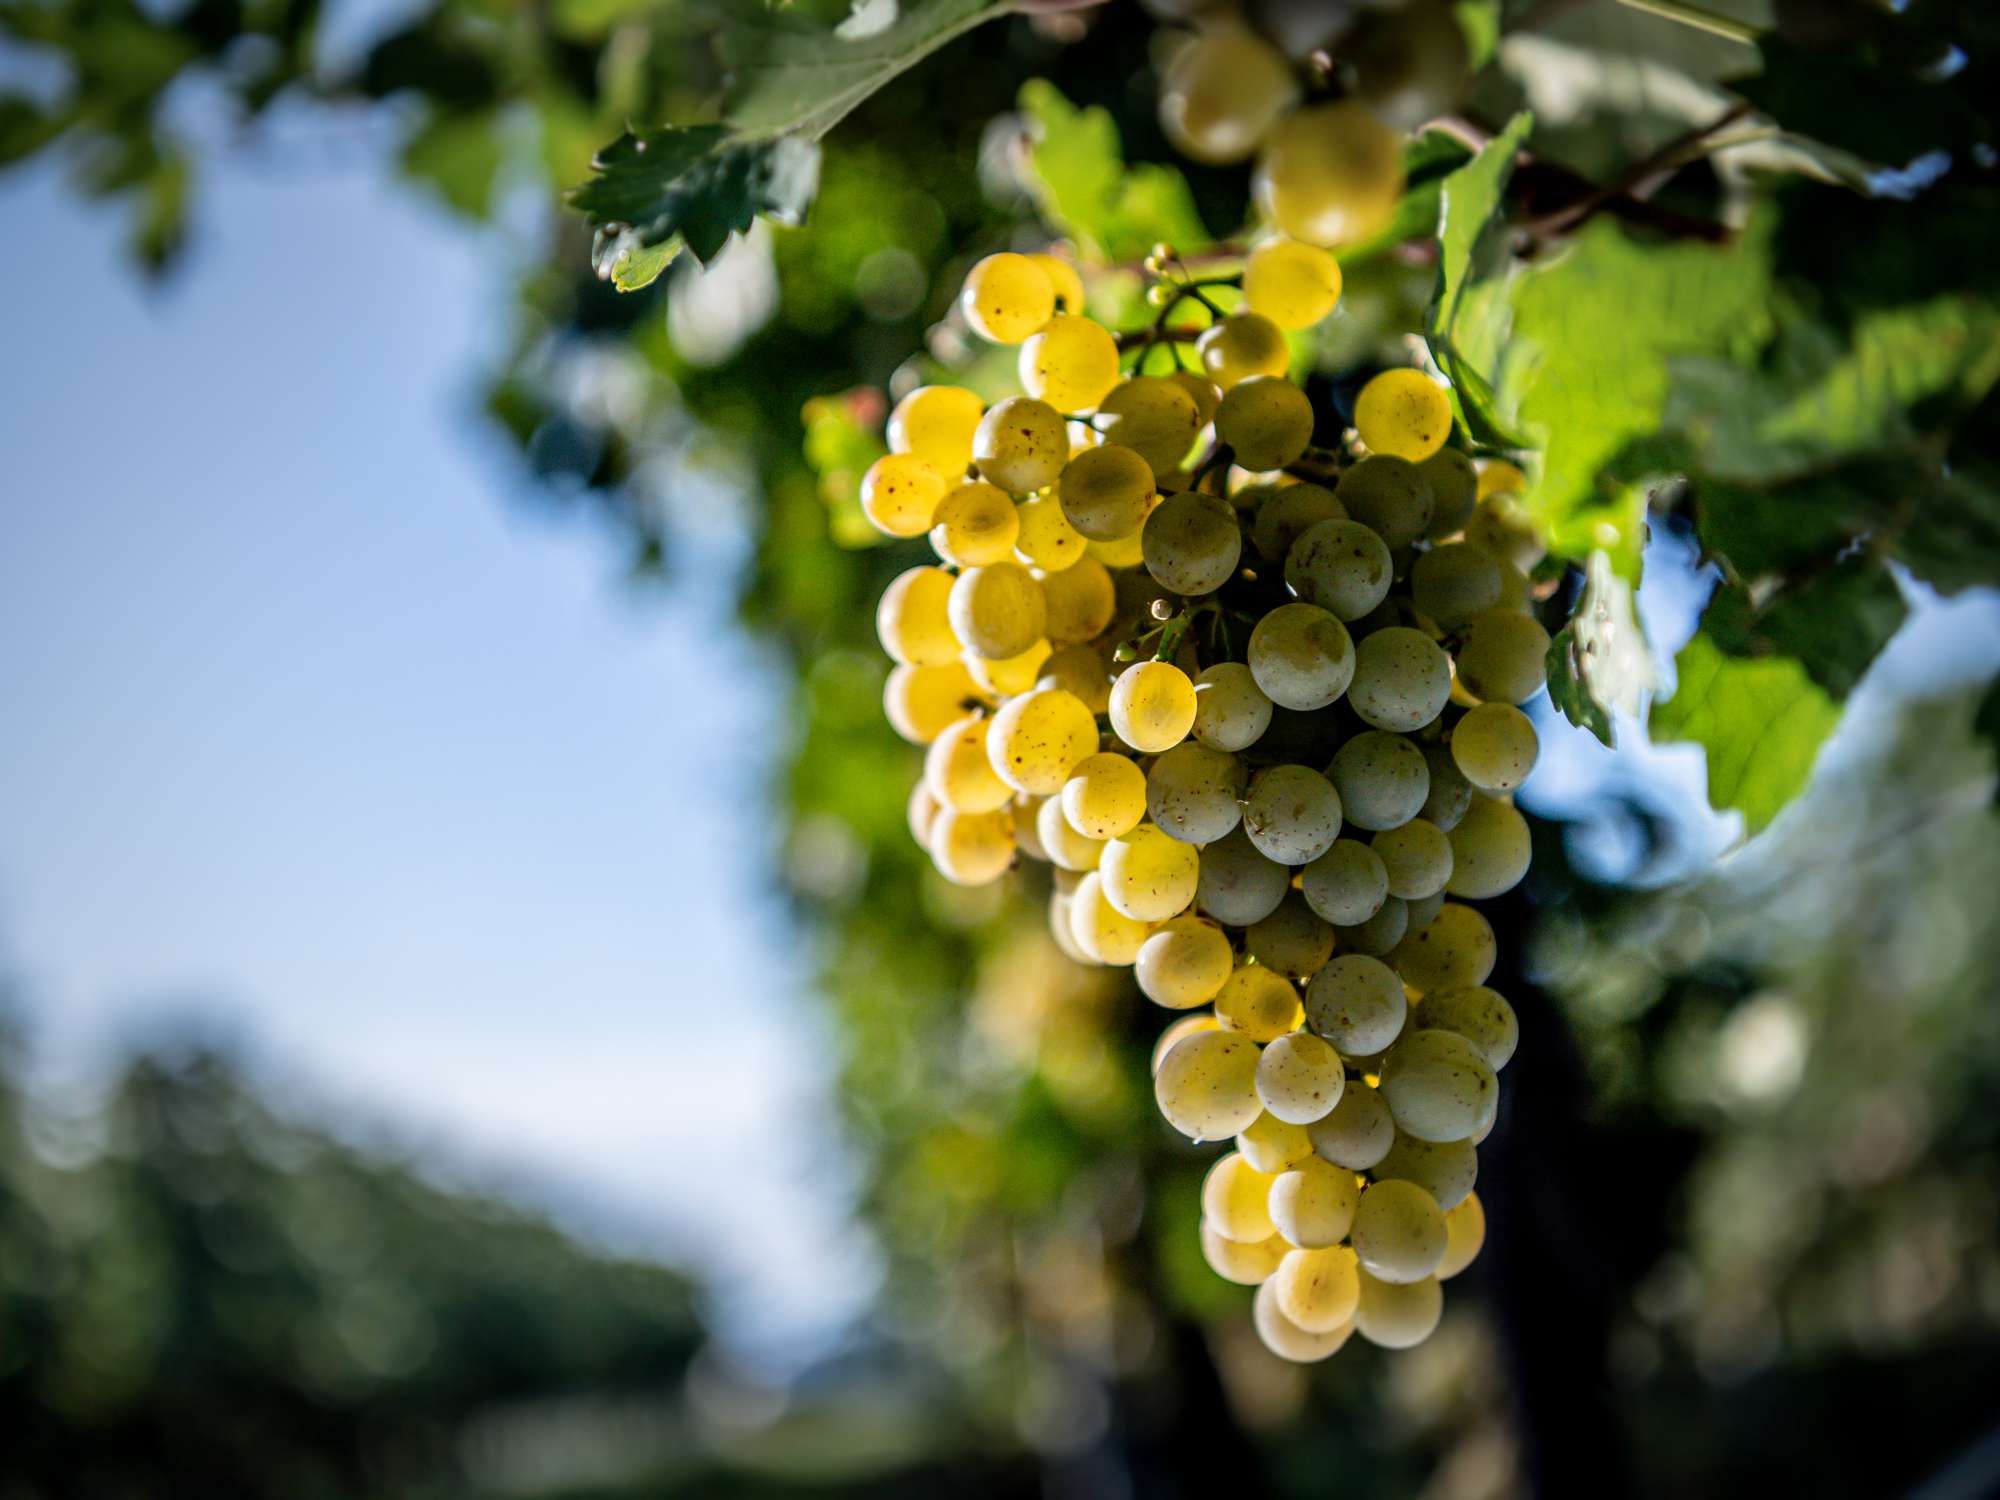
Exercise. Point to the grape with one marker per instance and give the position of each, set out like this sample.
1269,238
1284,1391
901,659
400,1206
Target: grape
1077,669
1292,814
1010,674
922,702
921,811
1301,656
1450,793
1398,1231
1437,1085
1038,738
1341,566
1293,284
1152,416
1222,92
1007,298
1258,1003
1490,850
974,524
1270,1144
1498,477
1079,601
1285,1338
1409,65
1290,940
1423,911
998,611
1415,857
1106,492
1456,949
1266,421
1240,346
1480,1015
1402,679
1504,657
1184,963
1356,1133
972,848
1230,710
1444,1169
1066,848
1356,1003
1235,1200
1313,1204
1100,929
1287,512
958,771
900,493
1382,780
1104,796
910,620
1300,1078
1239,885
1503,527
1317,1289
1206,1085
1464,1233
1452,583
1246,1265
1396,1316
1152,706
1021,445
1330,175
1046,539
1495,746
1201,391
1124,552
1377,937
1072,363
936,423
1186,1026
1388,495
1191,543
1347,884
1454,487
1404,413
1027,830
1192,791
1149,876
1063,279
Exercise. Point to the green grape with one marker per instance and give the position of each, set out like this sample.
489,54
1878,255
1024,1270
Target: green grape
1293,284
1104,796
1437,1085
1454,486
1398,1231
1148,875
921,811
936,423
974,524
1480,1015
1450,793
1072,363
1402,679
1192,791
1423,910
900,493
1382,780
922,702
1077,669
958,771
1356,1133
1504,657
1184,963
1171,1038
1291,940
1377,937
1106,492
1230,710
1268,1143
1046,538
1234,1201
1266,421
1317,1289
1258,1003
1009,674
1066,848
1495,746
1102,931
1292,814
1222,92
1191,543
1152,416
1152,706
1397,1316
1347,884
1503,527
910,620
1201,390
1206,1085
1021,445
1490,850
1464,1234
1284,516
1080,601
1007,298
1300,1078
998,611
1452,583
1330,175
1246,1265
1356,1003
1389,496
1301,656
1444,1169
1411,64
1415,857
972,848
1240,346
1239,885
1404,413
1124,552
1341,566
1064,279
1285,1338
1038,738
1456,949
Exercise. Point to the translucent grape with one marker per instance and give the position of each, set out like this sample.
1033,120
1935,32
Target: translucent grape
1152,706
1222,92
1317,1289
1080,601
1464,1234
1300,1078
1293,284
1037,738
1356,1003
1021,445
1206,1085
1192,792
1330,174
1066,848
1184,963
900,493
1124,552
1186,1026
975,524
1313,1203
921,702
1285,1338
1382,780
1235,1200
1100,929
1341,566
1239,885
1388,495
1393,1316
1495,746
1149,876
936,423
1106,492
1490,850
998,611
1072,363
1455,949
1191,543
1504,657
1498,477
1454,486
1009,674
910,620
1270,1144
1153,417
1283,517
1301,656
1357,1132
1105,795
1246,1265
1257,1003
921,811
1027,830
1240,346
1347,884
1291,940
1064,279
1201,391
1266,421
972,848
1452,583
1444,1169
958,771
1230,710
1377,937
1398,1231
1501,524
1481,1015
1007,298
1292,814
1437,1085
1416,858
1077,669
1404,413
1046,538
1450,793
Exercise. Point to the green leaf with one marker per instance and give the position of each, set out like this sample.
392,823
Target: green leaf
1480,21
1468,212
1468,320
1599,663
25,128
1761,722
697,183
1833,623
1083,185
842,439
459,156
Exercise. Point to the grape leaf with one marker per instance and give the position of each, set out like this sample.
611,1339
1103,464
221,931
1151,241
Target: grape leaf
1083,184
1469,206
1599,663
1832,623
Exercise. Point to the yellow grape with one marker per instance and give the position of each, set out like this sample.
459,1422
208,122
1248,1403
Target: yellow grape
1266,420
1398,1316
1416,860
1258,1003
1184,962
973,848
900,494
1404,413
1498,477
1454,949
1503,526
1106,492
1047,540
1398,1231
1079,670
1022,445
1152,706
922,702
1064,278
1105,795
1234,1198
1206,1085
998,611
1444,1169
1285,1338
1246,1265
910,620
1066,848
1124,551
975,524
1300,1079
1080,601
1202,391
1291,283
1481,1015
1153,416
1038,737
1330,174
1007,298
1313,1204
1504,658
1100,929
1150,876
958,772
1356,1133
1273,1145
1008,675
1072,363
1222,92
1186,1026
936,422
1464,1234
921,811
1495,746
1240,346
1317,1289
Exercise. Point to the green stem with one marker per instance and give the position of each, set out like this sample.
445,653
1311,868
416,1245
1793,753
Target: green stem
1700,19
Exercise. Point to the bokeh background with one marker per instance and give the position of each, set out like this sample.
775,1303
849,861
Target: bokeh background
475,1023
